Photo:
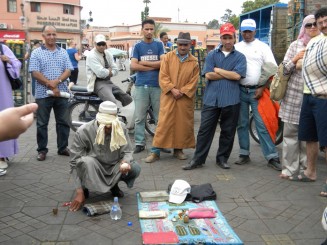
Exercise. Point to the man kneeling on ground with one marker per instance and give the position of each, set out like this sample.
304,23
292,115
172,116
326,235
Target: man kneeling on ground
102,156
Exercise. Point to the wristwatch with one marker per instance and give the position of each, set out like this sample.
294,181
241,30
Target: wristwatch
60,81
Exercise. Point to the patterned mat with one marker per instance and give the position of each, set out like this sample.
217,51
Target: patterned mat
197,231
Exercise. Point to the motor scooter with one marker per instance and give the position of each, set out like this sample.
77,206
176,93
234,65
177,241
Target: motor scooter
83,107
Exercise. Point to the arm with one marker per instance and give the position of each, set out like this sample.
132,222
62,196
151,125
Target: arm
51,84
136,66
153,64
16,120
189,88
77,56
13,64
126,154
113,68
78,149
230,75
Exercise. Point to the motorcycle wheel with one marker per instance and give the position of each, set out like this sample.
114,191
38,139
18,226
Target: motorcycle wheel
80,113
150,123
254,134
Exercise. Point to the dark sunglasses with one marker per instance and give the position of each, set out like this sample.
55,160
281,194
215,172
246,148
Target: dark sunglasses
309,25
101,44
182,44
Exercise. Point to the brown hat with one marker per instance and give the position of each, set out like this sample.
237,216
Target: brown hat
184,38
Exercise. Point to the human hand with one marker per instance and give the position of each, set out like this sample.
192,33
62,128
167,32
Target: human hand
52,84
258,92
298,56
176,93
78,202
5,58
56,92
16,120
124,167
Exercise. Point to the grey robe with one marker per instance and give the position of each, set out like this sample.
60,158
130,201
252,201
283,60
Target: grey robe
95,166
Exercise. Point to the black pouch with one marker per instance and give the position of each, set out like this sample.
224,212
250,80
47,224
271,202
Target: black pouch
199,193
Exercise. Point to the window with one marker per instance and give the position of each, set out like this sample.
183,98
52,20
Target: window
12,6
35,7
68,9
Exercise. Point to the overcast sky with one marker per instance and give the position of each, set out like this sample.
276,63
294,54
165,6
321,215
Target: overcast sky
110,13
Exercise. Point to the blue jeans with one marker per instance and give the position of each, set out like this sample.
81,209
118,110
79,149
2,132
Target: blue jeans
144,96
59,106
267,145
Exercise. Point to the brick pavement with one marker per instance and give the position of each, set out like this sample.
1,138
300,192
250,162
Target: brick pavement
262,208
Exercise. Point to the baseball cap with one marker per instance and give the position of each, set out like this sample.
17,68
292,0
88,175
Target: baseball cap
179,191
227,29
99,38
248,25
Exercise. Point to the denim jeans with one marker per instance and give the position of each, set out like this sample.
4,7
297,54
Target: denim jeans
144,96
59,106
209,119
267,145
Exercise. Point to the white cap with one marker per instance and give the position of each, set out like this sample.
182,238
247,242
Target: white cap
248,25
179,191
100,38
108,107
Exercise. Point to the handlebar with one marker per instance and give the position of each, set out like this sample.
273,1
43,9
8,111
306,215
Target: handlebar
131,79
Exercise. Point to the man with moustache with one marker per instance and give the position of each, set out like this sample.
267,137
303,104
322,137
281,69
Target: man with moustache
223,69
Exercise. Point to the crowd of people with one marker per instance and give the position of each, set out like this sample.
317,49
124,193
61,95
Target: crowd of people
237,76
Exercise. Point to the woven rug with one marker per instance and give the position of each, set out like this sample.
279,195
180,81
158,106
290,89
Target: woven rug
197,231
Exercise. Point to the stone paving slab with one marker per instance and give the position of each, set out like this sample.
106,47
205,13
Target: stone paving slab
261,208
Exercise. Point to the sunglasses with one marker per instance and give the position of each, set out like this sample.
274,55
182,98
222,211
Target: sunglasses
309,25
101,44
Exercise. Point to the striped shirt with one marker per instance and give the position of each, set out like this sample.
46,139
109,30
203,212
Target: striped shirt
51,63
224,92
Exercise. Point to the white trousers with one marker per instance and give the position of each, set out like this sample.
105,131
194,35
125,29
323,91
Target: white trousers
294,155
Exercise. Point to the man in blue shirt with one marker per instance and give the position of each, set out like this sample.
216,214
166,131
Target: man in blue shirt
223,69
50,66
147,55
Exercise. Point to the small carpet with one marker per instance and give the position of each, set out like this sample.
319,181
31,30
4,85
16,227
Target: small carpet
197,231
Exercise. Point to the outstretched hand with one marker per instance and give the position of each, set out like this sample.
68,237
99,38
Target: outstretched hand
16,120
78,202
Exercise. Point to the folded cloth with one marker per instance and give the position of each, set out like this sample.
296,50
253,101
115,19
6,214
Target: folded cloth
97,208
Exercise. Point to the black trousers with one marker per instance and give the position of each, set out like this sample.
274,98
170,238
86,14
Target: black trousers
209,119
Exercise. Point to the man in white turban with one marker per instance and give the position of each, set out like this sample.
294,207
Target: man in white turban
102,156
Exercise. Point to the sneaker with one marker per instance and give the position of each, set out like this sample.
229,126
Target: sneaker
243,159
179,154
275,164
3,164
139,148
152,158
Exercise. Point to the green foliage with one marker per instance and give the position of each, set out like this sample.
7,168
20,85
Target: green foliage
145,13
158,28
252,5
230,17
213,24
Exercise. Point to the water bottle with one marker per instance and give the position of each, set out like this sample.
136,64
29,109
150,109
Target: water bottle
115,212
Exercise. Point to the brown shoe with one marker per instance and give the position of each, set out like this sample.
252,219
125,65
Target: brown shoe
41,156
152,158
179,154
65,152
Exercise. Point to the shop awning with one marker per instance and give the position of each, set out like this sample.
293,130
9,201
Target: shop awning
12,35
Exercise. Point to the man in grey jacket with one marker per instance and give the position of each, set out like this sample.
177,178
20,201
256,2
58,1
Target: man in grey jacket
102,156
100,67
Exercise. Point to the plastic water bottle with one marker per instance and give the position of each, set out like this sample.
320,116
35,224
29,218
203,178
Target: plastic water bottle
115,212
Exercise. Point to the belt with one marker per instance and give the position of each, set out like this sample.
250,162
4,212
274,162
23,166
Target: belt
249,86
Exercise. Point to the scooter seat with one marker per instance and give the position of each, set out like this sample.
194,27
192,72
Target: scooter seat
76,88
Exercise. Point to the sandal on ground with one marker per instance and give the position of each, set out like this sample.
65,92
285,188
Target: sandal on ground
284,176
2,172
302,178
323,192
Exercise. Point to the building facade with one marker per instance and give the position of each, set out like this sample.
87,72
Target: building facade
24,20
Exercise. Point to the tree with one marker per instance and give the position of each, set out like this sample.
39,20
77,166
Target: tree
230,17
158,28
252,5
213,24
145,13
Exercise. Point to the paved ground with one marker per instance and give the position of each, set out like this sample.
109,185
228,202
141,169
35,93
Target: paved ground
262,208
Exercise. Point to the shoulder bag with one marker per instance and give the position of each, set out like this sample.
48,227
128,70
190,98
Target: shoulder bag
279,84
16,83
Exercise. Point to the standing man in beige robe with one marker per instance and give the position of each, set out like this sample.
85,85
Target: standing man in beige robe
179,73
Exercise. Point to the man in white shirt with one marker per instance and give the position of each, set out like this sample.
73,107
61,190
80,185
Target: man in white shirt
258,54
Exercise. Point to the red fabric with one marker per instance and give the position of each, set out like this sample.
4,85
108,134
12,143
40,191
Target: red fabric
268,110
